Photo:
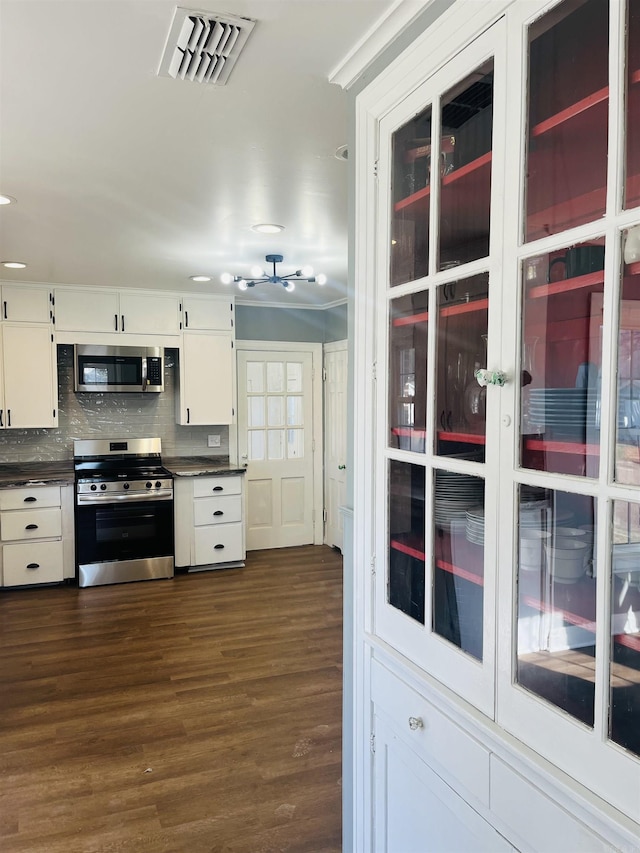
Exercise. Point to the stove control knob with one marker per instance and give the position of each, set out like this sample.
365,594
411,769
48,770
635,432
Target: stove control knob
126,485
158,484
149,485
103,487
93,487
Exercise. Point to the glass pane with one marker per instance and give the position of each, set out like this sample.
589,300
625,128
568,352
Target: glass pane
294,377
294,411
566,167
295,443
255,377
461,350
625,627
465,169
458,571
557,599
628,391
408,372
406,539
411,153
275,411
275,442
275,377
632,189
561,360
256,445
256,411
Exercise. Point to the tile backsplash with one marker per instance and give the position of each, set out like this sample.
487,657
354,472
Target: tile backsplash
89,415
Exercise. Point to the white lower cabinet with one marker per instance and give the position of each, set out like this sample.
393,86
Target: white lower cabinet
209,529
36,532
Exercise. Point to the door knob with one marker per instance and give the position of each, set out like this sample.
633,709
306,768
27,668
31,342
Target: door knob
341,467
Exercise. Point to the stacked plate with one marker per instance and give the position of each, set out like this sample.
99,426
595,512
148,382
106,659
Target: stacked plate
564,413
475,525
454,494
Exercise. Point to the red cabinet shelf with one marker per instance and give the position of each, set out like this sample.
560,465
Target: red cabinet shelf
464,308
468,437
474,178
540,291
411,320
573,447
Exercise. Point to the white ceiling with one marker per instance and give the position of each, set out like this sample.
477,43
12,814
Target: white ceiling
126,179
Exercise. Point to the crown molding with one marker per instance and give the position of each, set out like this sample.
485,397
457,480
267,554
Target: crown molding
389,25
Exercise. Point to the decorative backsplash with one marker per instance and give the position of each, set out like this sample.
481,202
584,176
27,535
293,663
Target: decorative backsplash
111,415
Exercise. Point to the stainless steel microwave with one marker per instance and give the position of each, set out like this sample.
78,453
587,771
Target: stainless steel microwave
109,368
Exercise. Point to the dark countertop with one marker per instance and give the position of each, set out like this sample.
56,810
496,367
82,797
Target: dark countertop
60,473
200,466
16,474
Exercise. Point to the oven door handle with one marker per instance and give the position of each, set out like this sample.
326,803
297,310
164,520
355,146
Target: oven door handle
161,495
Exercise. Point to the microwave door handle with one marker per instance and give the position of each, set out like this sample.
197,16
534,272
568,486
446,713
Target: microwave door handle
144,374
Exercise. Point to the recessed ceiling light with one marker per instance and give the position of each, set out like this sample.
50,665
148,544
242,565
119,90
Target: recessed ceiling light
14,265
200,277
267,228
7,199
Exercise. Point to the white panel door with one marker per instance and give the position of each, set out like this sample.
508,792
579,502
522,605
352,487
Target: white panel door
335,442
275,440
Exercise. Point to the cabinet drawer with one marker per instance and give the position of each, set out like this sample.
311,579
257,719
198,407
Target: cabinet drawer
217,510
203,487
218,543
31,524
32,562
28,498
456,756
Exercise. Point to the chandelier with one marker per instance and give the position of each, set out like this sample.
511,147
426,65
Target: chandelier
258,276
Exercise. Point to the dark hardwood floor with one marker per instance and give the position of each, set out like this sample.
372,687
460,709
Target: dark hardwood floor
197,714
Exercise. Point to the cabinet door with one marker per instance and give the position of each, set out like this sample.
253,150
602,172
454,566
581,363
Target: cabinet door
441,158
206,379
86,310
30,377
415,811
22,304
148,313
569,484
202,312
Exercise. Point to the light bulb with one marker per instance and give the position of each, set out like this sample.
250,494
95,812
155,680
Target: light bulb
256,272
226,278
307,271
291,285
321,279
242,284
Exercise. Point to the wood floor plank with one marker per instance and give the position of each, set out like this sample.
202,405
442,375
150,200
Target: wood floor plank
197,714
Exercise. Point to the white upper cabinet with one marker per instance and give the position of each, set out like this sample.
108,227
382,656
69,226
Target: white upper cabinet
87,310
29,397
149,313
207,313
26,303
207,364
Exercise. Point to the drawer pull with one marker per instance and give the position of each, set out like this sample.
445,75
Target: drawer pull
33,565
415,723
218,512
31,527
30,499
218,546
218,488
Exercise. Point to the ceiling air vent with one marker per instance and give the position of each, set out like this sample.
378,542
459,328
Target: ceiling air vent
202,47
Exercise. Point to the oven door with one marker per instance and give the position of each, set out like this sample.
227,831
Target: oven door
129,540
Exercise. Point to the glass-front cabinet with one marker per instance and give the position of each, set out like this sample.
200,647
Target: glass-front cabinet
507,449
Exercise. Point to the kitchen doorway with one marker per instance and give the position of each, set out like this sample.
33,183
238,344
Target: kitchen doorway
280,442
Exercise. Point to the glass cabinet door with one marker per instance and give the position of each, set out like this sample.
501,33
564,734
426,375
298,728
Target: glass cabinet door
433,596
569,489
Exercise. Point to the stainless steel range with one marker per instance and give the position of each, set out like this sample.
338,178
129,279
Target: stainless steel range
124,511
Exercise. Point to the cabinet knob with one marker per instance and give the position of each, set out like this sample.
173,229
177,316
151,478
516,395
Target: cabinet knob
33,565
341,467
415,723
490,377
